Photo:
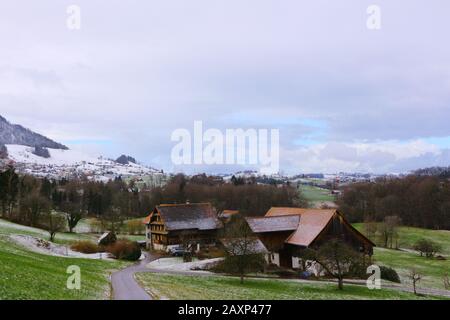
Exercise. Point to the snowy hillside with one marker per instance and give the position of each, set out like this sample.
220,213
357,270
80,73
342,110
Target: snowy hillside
72,163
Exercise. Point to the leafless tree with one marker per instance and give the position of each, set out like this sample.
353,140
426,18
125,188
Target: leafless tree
389,231
243,254
53,223
335,257
415,277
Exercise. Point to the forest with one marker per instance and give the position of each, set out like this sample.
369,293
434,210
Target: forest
419,201
29,200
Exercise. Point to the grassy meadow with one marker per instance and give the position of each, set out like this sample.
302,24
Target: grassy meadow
165,286
315,195
28,275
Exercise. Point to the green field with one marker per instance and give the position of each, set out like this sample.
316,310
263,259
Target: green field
164,286
409,235
402,261
315,194
433,270
29,275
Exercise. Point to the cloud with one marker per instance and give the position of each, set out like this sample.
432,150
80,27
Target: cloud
343,97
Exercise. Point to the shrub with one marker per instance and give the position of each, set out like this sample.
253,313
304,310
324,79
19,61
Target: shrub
427,247
125,250
389,274
85,246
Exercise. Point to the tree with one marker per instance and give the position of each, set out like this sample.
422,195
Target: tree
427,247
72,206
188,242
370,228
389,231
336,257
243,254
9,190
53,223
33,206
415,277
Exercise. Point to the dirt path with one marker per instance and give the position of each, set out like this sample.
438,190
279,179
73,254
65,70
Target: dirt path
124,285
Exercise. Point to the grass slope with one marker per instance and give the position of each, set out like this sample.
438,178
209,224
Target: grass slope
28,275
433,270
163,286
315,194
8,228
409,235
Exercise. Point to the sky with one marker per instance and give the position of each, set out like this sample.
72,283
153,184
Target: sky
343,97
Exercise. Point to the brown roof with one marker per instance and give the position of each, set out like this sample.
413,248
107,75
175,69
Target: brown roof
310,223
284,211
273,224
190,216
229,212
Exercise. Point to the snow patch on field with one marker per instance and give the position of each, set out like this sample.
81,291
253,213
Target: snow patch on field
177,264
48,248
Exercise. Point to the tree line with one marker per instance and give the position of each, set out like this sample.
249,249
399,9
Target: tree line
33,201
418,201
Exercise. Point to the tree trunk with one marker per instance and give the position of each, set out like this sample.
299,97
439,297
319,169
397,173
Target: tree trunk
242,279
341,283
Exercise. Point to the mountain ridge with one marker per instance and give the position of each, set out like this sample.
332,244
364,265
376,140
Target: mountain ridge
17,134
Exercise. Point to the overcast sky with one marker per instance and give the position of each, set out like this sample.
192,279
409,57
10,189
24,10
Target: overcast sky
345,98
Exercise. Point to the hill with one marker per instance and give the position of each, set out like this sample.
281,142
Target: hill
16,134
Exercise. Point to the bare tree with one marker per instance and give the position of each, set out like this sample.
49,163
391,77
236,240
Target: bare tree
415,277
335,257
188,242
33,206
244,252
53,223
73,205
370,228
389,231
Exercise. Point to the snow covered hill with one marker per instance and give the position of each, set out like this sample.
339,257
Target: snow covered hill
71,163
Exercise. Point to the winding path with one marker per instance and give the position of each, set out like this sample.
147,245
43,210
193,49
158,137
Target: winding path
125,286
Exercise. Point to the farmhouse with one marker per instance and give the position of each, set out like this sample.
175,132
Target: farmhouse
286,231
173,224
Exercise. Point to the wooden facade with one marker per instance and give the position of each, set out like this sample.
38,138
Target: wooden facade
285,239
172,225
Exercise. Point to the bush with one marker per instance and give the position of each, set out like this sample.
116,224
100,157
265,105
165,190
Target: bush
85,246
125,250
389,274
427,247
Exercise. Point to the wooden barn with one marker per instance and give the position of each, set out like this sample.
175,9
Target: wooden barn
171,224
285,231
